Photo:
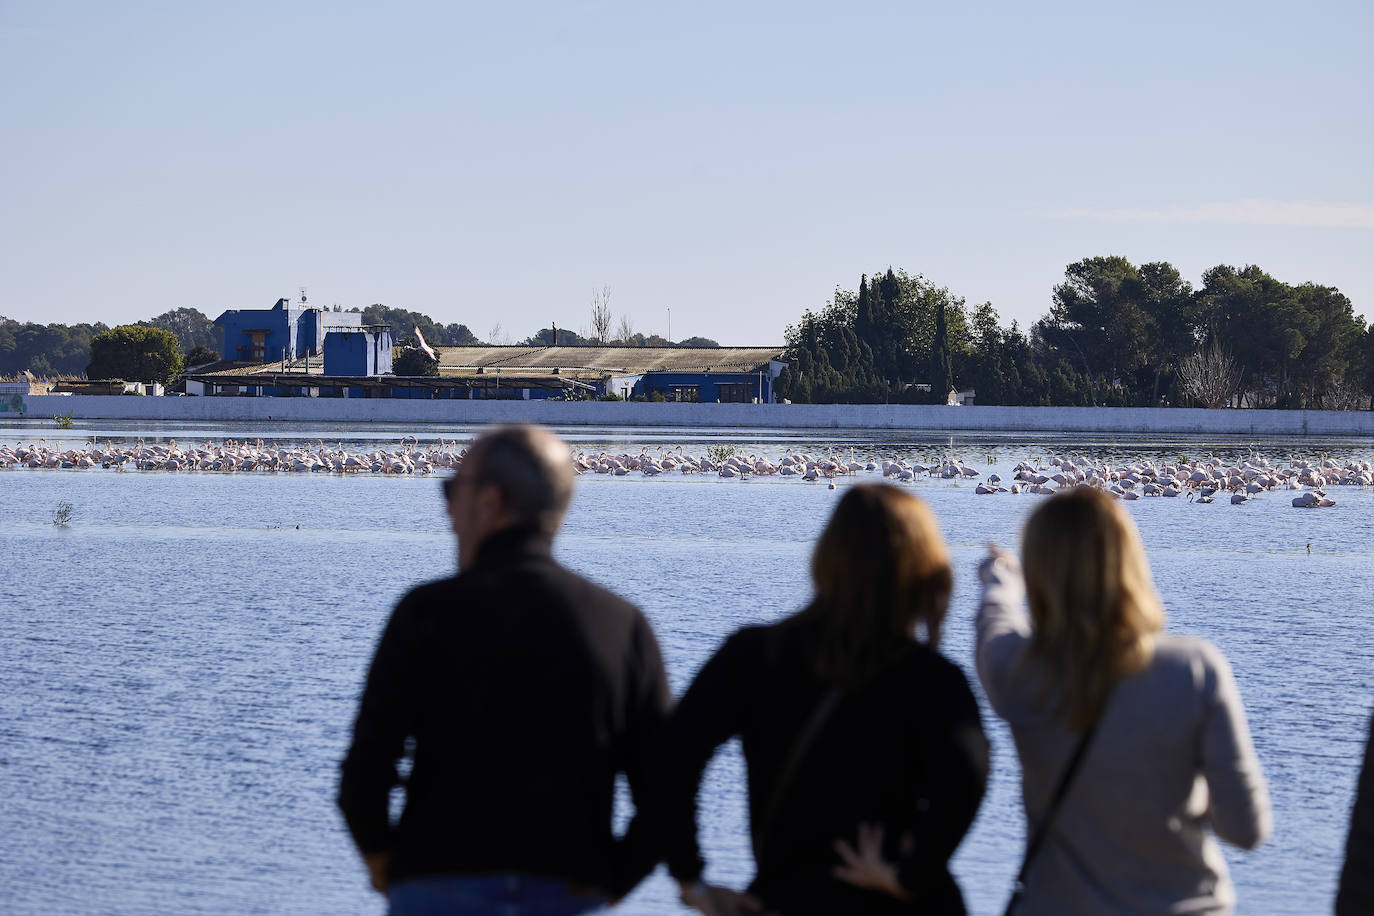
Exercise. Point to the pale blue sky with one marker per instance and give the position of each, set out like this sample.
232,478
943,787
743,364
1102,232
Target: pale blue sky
732,162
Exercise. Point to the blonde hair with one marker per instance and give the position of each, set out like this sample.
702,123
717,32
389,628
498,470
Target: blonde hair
1092,601
881,569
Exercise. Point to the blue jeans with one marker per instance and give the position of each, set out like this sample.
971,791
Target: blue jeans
497,895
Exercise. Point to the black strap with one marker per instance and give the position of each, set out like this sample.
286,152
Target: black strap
796,754
1043,828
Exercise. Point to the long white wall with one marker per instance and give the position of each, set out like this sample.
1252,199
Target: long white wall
769,416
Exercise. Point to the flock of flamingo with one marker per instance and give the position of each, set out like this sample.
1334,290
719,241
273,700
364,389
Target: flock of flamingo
1201,481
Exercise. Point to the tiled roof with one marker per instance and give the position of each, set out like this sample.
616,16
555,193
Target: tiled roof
604,360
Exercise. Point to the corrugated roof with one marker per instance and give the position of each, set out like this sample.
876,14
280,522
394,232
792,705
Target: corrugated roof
603,360
294,379
571,362
239,367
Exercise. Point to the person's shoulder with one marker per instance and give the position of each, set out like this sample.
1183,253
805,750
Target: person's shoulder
1190,658
1187,650
755,651
928,665
426,596
428,591
584,590
752,638
592,603
752,647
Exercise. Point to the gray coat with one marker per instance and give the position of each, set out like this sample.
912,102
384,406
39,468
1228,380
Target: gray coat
1171,764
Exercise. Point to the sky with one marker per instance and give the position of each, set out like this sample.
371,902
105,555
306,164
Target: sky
724,166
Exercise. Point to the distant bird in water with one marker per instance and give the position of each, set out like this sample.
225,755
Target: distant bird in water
1309,546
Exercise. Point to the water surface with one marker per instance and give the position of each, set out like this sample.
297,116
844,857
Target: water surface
179,665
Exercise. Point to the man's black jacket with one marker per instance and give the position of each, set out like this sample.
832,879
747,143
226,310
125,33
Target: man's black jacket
524,689
1356,894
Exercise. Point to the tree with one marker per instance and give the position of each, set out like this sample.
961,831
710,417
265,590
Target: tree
414,362
201,356
457,335
1099,321
625,332
403,322
1367,348
1331,345
192,327
136,354
1173,315
988,368
544,337
941,370
705,343
46,349
1262,326
601,315
1210,376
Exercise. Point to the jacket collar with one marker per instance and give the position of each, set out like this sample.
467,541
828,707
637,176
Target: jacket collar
514,543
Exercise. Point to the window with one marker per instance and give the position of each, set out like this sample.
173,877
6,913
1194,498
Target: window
685,393
736,393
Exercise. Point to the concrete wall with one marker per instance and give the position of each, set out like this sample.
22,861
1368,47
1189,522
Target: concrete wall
766,416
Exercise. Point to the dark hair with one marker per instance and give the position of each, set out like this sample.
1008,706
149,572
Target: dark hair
881,570
529,466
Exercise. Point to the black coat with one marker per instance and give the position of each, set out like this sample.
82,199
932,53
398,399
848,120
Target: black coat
1356,895
905,750
523,690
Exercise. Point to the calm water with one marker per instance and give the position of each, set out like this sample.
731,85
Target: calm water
179,666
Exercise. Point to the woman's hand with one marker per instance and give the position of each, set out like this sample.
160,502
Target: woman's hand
996,562
376,870
717,901
865,867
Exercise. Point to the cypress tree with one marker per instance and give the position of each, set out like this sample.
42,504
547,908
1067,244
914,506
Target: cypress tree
863,313
941,369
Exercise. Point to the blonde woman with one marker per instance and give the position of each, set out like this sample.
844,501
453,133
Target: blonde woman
866,758
1166,760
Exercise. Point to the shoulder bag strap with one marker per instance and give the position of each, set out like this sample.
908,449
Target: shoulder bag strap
1043,828
795,754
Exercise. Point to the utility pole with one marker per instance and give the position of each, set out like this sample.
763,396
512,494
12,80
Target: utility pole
670,326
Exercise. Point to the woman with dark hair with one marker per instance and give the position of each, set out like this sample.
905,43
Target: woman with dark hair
1133,744
866,758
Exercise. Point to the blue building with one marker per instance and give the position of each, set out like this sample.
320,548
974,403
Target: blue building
358,351
283,332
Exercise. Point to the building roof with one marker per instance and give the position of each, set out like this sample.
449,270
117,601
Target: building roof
539,365
604,360
302,364
278,379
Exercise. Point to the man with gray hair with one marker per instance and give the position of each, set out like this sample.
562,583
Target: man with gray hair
519,690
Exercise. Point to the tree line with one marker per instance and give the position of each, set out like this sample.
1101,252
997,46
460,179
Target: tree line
51,350
1116,334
